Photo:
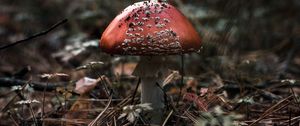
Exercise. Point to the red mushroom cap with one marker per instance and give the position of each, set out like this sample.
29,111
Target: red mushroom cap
150,28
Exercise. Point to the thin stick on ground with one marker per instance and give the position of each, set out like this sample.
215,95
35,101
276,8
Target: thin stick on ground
273,109
12,118
191,117
135,90
32,114
35,35
94,122
115,121
101,79
166,120
295,97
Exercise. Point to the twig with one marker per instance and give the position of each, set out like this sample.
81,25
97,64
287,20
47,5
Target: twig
14,121
166,120
105,85
191,117
135,90
35,35
101,79
295,119
142,120
33,116
5,108
119,105
115,122
94,122
295,96
269,111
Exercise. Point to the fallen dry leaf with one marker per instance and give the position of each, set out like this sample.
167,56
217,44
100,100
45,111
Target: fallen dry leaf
85,85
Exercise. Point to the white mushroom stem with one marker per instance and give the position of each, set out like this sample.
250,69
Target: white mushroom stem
152,70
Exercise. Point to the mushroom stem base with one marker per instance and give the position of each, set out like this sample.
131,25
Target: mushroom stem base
152,70
151,93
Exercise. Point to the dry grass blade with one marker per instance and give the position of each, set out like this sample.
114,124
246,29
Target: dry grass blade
191,117
201,104
136,88
115,121
94,122
166,120
172,77
273,109
13,120
114,111
293,120
124,101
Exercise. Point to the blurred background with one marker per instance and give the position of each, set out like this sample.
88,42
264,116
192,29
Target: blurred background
243,41
233,31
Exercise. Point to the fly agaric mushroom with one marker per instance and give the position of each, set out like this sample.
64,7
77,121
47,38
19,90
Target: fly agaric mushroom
150,29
